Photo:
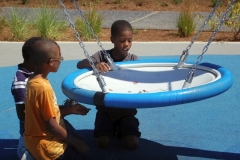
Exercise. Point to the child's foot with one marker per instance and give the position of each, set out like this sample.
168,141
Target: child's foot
130,142
103,141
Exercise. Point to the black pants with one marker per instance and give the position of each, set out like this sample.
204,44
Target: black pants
126,125
71,153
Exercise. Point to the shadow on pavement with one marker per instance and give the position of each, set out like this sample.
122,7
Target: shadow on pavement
147,150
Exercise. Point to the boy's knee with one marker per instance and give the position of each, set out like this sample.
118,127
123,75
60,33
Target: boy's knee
131,142
103,141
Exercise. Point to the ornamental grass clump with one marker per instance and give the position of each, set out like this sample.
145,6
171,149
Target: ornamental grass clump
177,1
95,22
185,23
2,23
47,24
18,24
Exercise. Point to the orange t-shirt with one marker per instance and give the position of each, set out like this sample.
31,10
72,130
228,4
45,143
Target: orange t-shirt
40,106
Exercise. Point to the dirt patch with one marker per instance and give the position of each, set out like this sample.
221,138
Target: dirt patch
130,5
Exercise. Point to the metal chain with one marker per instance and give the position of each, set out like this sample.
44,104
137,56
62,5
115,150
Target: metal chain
106,55
96,72
214,34
205,22
185,52
191,73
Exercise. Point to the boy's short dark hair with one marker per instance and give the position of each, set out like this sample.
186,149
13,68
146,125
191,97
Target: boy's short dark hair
120,25
26,48
42,51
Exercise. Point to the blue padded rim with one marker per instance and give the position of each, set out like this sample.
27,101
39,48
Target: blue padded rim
147,100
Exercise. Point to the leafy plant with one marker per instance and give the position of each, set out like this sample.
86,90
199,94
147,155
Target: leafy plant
118,1
95,21
162,4
135,31
2,22
214,2
47,23
25,1
185,22
18,24
84,3
232,20
177,1
96,1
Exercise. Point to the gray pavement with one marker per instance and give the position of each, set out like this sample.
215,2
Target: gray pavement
164,20
10,53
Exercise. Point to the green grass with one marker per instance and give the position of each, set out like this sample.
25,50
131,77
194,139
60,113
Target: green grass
95,21
18,24
185,24
214,2
25,1
162,4
118,1
177,1
2,22
48,25
135,31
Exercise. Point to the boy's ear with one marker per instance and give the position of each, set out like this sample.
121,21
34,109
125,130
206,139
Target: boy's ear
50,62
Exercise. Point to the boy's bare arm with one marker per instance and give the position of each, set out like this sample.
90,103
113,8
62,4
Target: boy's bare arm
83,64
74,109
20,111
101,66
60,132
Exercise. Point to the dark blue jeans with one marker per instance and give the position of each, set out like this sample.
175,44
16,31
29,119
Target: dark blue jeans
71,153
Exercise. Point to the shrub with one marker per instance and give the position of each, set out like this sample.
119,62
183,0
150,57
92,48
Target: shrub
162,4
135,31
47,24
95,21
18,24
25,1
2,23
185,22
177,1
118,1
232,20
214,2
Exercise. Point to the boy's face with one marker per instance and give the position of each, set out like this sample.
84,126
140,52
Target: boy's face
122,43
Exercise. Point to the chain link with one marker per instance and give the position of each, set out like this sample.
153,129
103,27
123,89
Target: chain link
214,34
185,52
95,71
106,55
191,73
201,28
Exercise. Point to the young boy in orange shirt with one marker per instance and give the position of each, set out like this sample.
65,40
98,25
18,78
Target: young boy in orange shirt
47,135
